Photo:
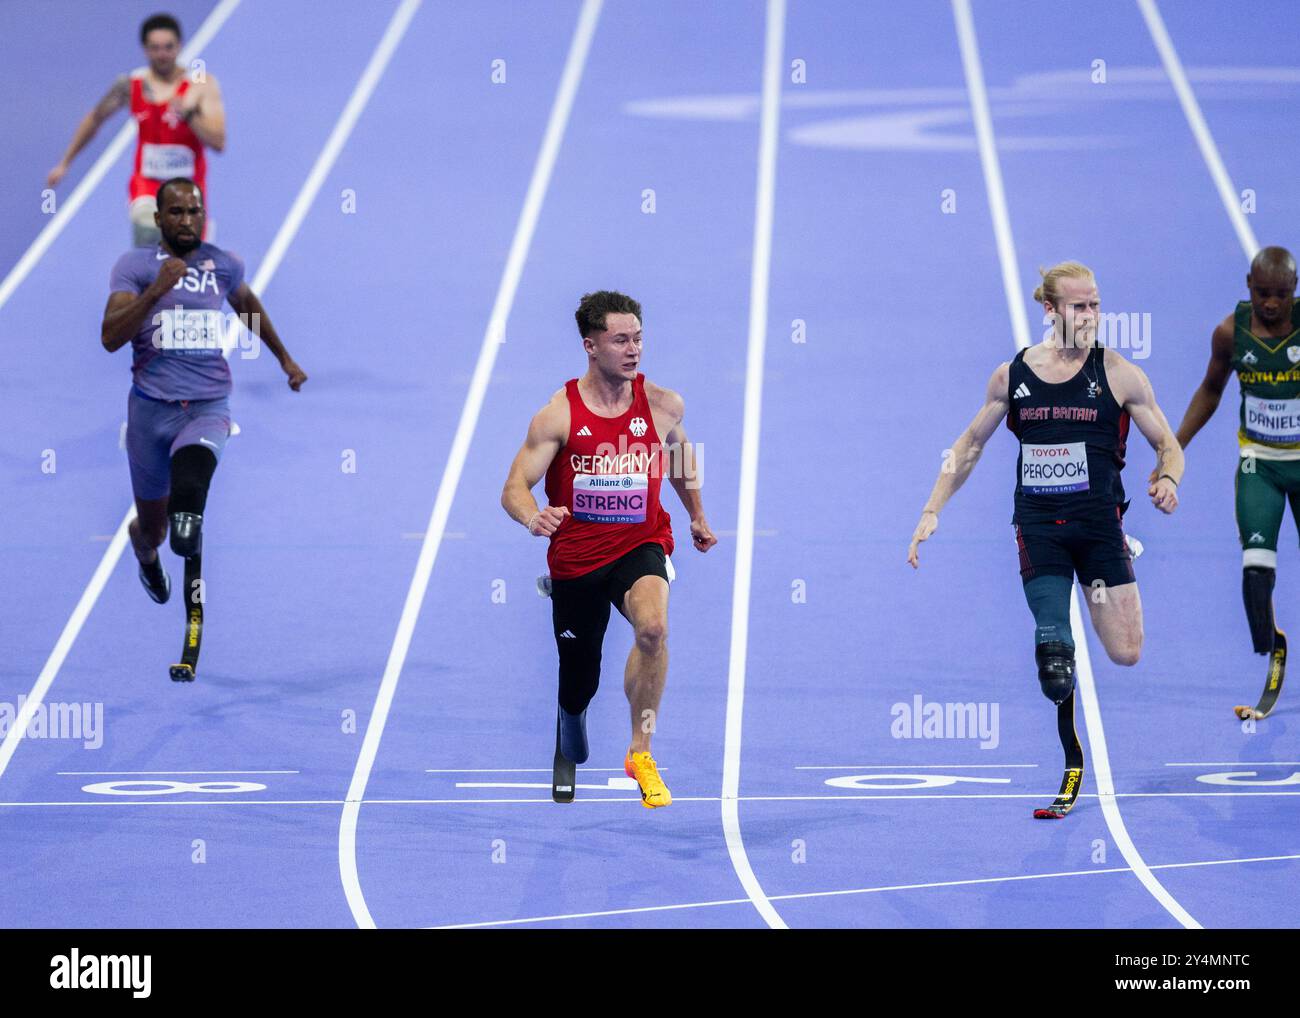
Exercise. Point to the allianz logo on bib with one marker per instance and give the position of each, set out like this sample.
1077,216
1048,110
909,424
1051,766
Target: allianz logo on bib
615,498
1054,469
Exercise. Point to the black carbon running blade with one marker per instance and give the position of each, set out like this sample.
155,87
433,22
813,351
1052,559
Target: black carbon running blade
193,601
1072,779
1272,684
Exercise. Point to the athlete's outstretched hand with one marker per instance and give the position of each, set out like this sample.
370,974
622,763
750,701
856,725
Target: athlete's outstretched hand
1164,495
296,374
928,525
548,521
701,536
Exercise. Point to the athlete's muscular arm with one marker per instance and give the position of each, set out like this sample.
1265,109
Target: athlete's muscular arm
249,307
547,433
203,110
683,470
1133,392
1206,398
118,95
960,460
126,312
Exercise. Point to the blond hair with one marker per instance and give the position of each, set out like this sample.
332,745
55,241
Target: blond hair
1049,288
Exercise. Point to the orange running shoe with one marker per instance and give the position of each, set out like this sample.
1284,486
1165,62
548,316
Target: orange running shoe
654,792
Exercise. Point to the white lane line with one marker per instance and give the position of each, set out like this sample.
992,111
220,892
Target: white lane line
997,196
114,550
863,890
169,801
492,339
1102,775
84,773
764,202
517,770
99,169
1200,129
1240,763
182,802
347,120
905,767
620,784
1020,324
64,643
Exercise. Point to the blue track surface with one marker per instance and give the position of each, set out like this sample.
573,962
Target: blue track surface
903,318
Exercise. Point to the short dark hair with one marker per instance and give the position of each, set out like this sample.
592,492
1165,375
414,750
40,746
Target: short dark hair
1273,261
159,21
171,183
593,308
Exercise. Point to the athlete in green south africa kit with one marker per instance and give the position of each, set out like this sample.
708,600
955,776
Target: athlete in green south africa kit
1260,341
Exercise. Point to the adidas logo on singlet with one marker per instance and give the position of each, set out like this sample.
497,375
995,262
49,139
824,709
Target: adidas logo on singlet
1249,358
568,635
584,430
1022,391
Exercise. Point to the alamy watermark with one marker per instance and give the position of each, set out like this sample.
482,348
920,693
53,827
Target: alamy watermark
935,720
83,721
1118,330
198,330
617,465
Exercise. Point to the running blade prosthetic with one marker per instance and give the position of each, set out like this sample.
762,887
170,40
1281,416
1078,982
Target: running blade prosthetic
1272,685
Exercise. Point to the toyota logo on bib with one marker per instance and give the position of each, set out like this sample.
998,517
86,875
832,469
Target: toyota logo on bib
638,426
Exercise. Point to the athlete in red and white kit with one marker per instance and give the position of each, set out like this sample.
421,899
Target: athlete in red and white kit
604,443
177,116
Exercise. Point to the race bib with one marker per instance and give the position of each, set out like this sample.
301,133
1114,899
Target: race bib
1275,421
1054,469
188,330
162,162
610,498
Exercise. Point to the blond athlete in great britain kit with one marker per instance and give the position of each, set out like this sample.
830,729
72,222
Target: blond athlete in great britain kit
1069,402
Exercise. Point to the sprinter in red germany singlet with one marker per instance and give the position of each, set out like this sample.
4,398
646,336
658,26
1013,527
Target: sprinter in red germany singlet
604,443
177,114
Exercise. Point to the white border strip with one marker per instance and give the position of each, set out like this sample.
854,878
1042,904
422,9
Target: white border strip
99,169
116,546
1195,120
1006,254
758,297
864,890
492,340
